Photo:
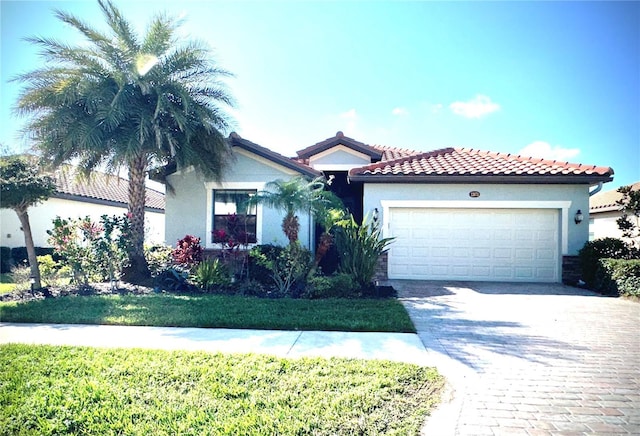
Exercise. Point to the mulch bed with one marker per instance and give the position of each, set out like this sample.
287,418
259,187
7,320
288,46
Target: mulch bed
76,290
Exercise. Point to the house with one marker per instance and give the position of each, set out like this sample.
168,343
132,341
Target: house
76,198
603,213
455,213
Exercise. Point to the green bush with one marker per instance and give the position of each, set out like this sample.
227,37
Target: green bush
211,274
19,254
593,251
158,258
51,272
5,260
619,277
288,268
340,285
359,247
258,267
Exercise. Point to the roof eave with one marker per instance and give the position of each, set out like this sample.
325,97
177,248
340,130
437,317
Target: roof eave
274,157
484,178
318,148
100,201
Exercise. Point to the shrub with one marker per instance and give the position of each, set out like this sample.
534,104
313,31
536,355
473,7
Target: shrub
258,267
188,252
211,274
19,255
158,258
93,251
5,260
288,268
359,247
338,285
51,271
619,277
593,251
21,275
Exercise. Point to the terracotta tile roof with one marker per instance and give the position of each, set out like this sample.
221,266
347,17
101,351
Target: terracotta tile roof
101,187
606,201
457,164
391,153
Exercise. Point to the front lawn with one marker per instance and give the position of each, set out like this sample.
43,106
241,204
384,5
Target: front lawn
46,390
169,310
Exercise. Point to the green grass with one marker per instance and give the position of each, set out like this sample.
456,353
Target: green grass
6,283
46,390
167,310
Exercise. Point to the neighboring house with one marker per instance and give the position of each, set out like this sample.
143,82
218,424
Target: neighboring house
76,198
603,213
455,213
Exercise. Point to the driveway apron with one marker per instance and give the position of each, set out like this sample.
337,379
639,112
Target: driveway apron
530,359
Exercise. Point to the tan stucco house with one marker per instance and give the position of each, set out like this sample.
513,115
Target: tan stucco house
455,213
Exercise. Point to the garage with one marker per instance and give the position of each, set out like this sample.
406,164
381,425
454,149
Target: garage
514,245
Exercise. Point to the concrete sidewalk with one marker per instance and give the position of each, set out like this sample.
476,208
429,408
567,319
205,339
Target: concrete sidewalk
399,347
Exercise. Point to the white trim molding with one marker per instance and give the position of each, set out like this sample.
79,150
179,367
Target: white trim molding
563,206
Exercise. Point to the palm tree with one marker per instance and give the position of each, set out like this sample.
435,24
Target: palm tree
297,195
127,102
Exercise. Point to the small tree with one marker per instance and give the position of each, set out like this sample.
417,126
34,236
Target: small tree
22,186
629,222
297,195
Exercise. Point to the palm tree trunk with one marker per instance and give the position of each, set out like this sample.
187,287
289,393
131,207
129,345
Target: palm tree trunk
31,249
291,227
138,270
326,241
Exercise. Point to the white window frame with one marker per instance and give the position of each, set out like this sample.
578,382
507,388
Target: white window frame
210,187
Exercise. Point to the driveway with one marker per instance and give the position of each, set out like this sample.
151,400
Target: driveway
530,359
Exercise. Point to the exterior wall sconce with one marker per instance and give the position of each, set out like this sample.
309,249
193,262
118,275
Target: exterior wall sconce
579,217
376,215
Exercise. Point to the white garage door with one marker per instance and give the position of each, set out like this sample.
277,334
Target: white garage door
474,244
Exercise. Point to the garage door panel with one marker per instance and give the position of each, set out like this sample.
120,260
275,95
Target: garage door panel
523,235
525,254
502,253
475,244
545,254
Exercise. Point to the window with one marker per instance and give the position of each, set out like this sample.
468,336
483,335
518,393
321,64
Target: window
233,220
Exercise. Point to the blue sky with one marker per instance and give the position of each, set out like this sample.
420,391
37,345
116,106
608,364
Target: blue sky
556,79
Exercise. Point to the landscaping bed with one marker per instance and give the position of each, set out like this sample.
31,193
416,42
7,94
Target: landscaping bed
136,305
47,390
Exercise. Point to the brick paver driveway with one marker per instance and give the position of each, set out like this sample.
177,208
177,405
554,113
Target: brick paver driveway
529,359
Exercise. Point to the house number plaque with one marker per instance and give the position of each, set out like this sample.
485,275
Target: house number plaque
474,194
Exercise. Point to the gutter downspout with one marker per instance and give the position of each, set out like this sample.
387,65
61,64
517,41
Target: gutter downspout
596,190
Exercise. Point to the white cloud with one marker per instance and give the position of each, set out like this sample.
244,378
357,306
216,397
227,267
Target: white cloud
351,114
547,151
400,111
436,108
477,107
351,119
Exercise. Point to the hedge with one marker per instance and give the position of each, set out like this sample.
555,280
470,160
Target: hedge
10,257
618,277
5,260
